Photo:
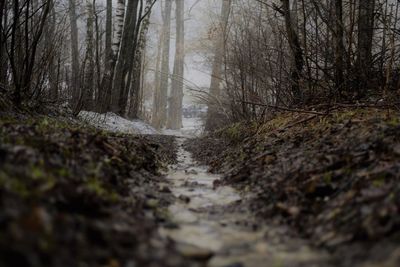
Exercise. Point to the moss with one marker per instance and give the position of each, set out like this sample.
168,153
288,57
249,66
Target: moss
379,182
327,177
393,121
97,187
14,185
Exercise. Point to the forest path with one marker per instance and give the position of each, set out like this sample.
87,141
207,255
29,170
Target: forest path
207,226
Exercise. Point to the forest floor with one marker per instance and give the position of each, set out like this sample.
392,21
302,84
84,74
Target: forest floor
333,181
71,195
297,190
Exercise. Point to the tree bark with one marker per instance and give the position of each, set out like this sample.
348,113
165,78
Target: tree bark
339,46
136,73
125,60
106,82
50,36
175,101
364,52
296,52
157,92
87,94
3,55
75,66
118,26
161,107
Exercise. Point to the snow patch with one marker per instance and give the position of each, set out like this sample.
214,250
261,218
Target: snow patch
114,123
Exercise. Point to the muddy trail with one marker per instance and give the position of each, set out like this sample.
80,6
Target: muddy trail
208,225
290,192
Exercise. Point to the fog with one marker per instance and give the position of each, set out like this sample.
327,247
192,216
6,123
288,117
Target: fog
200,16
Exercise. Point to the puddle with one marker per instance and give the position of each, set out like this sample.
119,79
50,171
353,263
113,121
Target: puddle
206,228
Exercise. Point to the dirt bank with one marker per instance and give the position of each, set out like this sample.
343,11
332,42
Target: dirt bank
75,196
333,180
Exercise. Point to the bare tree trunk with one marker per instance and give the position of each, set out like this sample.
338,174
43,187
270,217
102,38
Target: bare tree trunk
24,48
87,94
216,75
364,52
339,46
389,68
125,60
175,101
75,68
296,51
3,55
98,47
136,73
386,24
161,107
157,92
50,34
105,86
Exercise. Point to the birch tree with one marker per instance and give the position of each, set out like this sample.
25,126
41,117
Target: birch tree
123,67
118,26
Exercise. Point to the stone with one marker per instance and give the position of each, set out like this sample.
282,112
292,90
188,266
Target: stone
194,253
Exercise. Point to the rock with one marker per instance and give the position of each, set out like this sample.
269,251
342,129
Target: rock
165,189
193,252
191,171
170,225
396,149
151,203
184,198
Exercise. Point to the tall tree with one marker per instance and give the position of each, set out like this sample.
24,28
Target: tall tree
365,36
105,86
24,46
157,78
216,75
175,100
124,65
3,61
296,51
139,57
75,66
339,46
87,94
54,54
160,113
118,26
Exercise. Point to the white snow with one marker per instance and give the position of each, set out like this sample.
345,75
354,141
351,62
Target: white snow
114,123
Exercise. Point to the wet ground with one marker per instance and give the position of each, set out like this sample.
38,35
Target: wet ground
76,196
331,180
208,225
